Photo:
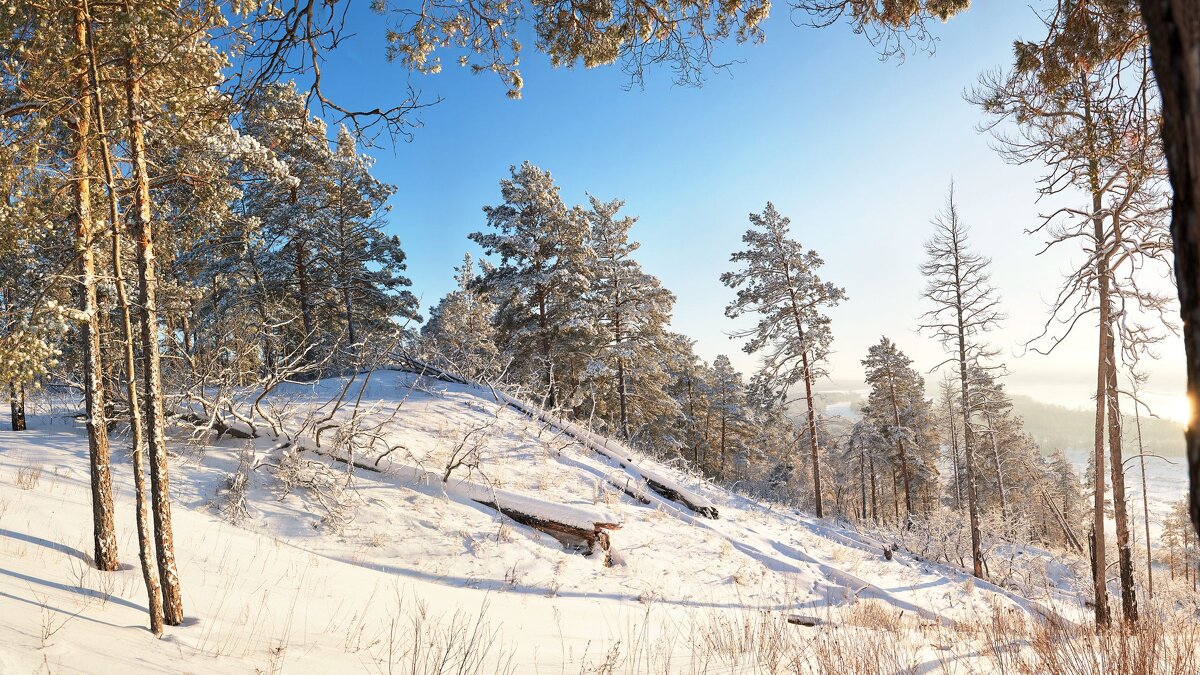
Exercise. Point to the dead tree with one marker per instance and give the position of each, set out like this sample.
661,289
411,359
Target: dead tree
964,308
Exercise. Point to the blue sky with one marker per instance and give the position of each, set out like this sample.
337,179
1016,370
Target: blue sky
858,152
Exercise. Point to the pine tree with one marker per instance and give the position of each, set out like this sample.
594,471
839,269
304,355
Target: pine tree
727,401
363,262
459,334
1083,106
897,407
544,272
779,284
631,310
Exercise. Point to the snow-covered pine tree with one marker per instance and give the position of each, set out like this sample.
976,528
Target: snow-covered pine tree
540,282
727,400
363,262
459,334
689,388
777,282
291,207
898,408
631,310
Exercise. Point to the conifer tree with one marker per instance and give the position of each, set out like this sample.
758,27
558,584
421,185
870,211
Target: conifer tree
1082,104
727,400
459,334
897,407
778,283
540,282
631,310
364,263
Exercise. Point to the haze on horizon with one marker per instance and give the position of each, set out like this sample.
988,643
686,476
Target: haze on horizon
858,152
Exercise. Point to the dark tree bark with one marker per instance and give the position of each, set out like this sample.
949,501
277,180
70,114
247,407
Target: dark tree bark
1174,30
1116,460
16,405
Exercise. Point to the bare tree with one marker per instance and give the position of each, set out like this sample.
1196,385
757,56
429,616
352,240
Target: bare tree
1084,108
965,307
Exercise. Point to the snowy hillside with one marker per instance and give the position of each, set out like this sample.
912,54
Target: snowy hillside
290,561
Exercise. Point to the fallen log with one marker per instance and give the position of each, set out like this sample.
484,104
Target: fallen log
706,510
572,537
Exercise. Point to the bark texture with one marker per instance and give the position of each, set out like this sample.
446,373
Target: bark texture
156,440
1174,30
103,524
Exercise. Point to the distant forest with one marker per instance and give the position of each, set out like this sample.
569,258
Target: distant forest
1056,426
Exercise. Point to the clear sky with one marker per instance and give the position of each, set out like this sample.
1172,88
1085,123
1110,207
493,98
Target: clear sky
858,152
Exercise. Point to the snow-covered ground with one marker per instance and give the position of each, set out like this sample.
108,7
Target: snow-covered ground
375,570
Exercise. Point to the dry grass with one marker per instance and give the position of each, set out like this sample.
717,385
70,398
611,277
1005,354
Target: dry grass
28,477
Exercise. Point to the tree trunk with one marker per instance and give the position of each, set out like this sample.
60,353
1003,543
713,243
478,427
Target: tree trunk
351,335
812,429
721,471
16,405
103,524
874,499
862,481
999,469
145,536
900,447
302,290
972,501
1117,467
954,451
1137,418
1098,566
151,369
1174,30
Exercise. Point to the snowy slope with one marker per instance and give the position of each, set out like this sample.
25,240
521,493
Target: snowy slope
346,573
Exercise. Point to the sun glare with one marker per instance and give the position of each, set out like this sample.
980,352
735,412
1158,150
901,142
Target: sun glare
1179,409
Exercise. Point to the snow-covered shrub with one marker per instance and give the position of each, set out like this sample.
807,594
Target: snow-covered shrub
233,506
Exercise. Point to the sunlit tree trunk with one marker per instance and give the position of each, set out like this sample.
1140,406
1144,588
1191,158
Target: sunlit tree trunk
103,524
156,440
137,451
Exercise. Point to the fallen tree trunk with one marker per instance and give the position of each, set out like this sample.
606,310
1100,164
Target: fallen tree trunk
706,510
572,537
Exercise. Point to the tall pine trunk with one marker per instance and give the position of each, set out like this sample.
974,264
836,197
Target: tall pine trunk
1117,468
351,334
900,446
145,536
1100,589
972,500
954,452
156,441
812,427
103,524
302,290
